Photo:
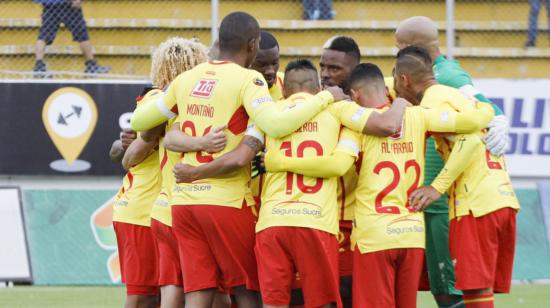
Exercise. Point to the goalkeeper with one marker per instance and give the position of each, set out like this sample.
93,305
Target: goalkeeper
422,32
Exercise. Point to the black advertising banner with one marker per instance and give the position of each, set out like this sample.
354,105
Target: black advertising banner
64,127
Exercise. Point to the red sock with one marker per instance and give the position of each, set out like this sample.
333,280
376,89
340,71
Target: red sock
479,300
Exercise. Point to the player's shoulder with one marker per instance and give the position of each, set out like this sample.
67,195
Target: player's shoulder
441,92
441,95
296,98
253,77
337,107
148,94
450,73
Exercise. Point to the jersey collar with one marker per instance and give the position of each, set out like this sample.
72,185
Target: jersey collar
439,59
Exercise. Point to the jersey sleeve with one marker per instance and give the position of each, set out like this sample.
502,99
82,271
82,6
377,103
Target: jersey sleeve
458,160
438,120
352,115
349,142
155,109
457,78
327,166
276,122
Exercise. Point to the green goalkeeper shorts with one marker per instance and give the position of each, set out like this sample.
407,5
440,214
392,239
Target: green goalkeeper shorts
438,258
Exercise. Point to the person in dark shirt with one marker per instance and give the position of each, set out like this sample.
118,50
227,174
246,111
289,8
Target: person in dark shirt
68,12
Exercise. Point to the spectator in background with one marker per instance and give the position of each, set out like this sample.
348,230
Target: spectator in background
318,9
68,12
533,20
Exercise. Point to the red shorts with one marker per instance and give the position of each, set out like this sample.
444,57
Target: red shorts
217,246
387,278
345,258
283,251
169,258
482,249
138,258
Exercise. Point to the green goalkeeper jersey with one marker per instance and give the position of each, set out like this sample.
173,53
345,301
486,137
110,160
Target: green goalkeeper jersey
450,73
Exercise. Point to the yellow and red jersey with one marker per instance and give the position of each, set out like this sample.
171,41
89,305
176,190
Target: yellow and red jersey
484,186
276,92
140,187
213,94
392,168
296,200
161,209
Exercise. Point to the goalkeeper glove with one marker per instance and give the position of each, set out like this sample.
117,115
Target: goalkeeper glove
258,165
496,139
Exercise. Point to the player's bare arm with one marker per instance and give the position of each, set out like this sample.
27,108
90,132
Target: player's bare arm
389,122
127,136
177,141
240,157
117,152
140,149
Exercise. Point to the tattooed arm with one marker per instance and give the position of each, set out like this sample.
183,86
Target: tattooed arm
240,157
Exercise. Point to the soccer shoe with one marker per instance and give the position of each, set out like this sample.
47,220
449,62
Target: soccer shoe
40,70
93,68
529,44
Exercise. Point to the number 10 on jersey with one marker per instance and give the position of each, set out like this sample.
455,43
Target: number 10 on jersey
302,146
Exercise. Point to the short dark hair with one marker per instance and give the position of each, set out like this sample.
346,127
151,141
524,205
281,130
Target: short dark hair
300,64
366,72
417,52
347,45
414,61
268,41
236,30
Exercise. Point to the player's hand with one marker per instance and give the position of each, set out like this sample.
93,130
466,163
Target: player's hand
273,161
337,93
215,140
185,173
258,167
421,198
496,140
127,136
76,4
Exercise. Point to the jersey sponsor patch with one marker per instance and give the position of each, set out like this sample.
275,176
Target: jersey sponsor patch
204,88
257,102
258,82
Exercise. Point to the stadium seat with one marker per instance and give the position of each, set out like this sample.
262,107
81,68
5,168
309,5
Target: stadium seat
489,35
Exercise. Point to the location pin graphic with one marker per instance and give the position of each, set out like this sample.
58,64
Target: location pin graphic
69,116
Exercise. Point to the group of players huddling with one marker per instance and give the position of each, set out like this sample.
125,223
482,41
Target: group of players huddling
249,187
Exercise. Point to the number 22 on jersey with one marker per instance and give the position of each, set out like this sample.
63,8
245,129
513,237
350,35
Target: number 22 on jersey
396,178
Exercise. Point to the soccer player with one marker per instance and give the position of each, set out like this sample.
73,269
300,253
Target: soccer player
131,218
340,55
299,214
172,57
267,64
368,88
482,206
422,32
302,210
212,219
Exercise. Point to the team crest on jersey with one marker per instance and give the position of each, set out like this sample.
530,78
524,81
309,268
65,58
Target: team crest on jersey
204,88
258,82
399,134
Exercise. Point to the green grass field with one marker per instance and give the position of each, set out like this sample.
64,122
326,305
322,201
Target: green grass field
531,296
